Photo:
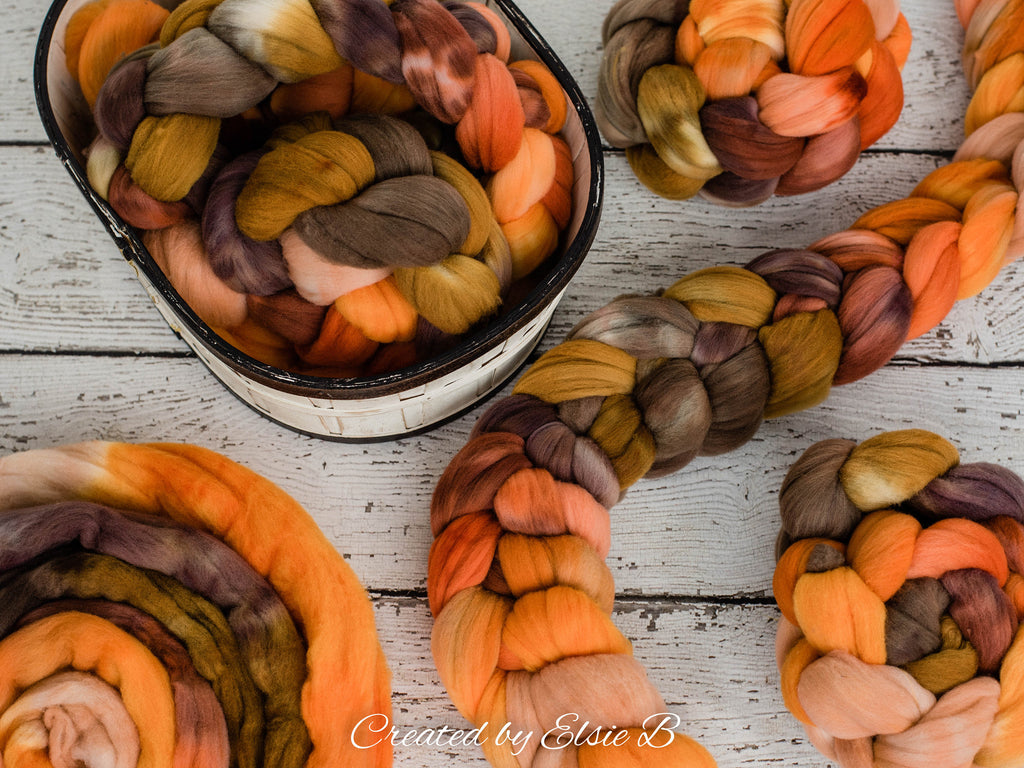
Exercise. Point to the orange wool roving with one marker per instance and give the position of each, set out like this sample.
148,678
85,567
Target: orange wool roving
161,605
646,384
740,100
522,599
899,642
321,148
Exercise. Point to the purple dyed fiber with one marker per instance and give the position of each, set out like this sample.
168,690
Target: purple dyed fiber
475,24
800,272
983,612
120,105
364,33
977,491
717,342
246,265
551,442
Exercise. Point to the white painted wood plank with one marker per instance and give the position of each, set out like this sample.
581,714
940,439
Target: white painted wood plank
63,283
22,22
714,665
705,530
64,286
933,75
708,530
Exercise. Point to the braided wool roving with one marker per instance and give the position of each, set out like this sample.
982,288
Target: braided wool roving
162,606
740,100
901,593
387,162
520,516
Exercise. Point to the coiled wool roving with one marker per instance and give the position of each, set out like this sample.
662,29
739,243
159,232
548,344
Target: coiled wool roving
385,161
900,587
740,100
150,616
520,516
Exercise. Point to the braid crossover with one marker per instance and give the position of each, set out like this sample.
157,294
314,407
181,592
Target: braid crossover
517,581
901,593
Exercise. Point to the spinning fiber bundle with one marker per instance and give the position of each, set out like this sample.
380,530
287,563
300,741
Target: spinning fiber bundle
163,606
901,593
740,100
520,517
385,168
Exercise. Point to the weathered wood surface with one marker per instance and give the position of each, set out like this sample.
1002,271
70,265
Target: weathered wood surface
65,287
573,29
83,355
714,665
706,531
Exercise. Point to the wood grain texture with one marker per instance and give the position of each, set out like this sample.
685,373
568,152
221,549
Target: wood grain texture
713,664
706,531
18,36
65,287
573,29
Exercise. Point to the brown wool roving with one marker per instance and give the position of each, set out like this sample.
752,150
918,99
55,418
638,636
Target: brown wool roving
386,162
740,100
899,581
642,386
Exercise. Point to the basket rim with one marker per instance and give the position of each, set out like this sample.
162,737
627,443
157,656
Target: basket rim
356,388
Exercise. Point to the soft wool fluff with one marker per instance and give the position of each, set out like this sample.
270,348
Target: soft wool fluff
91,720
246,120
199,713
84,643
740,100
899,585
156,573
522,597
255,615
641,387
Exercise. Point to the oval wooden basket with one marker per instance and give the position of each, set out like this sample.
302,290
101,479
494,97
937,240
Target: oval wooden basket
366,408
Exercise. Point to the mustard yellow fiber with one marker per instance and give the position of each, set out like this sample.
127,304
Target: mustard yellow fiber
890,467
155,159
579,369
322,168
480,215
191,14
803,350
725,295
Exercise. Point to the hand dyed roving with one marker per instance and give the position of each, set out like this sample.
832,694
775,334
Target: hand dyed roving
739,100
86,644
383,171
900,587
517,582
202,615
91,710
195,702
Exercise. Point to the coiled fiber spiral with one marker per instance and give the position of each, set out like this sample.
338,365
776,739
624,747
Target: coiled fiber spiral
740,100
153,614
285,160
901,593
517,582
